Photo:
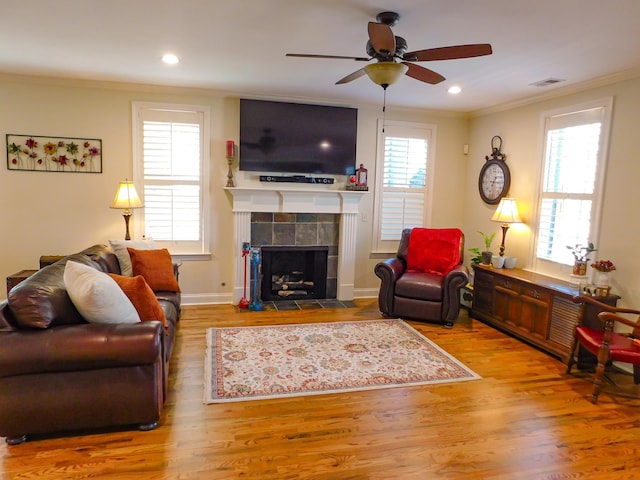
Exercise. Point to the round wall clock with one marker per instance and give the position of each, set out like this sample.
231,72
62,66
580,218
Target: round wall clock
495,178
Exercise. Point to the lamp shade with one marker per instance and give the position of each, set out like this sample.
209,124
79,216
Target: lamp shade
126,196
507,211
385,73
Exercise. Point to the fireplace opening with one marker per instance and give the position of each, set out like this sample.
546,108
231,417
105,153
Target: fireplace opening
294,273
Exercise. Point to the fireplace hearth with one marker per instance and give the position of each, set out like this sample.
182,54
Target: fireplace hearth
294,273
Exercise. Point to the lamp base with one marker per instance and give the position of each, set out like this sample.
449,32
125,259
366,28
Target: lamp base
504,227
127,216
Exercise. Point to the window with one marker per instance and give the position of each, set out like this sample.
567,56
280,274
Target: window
403,181
171,148
571,185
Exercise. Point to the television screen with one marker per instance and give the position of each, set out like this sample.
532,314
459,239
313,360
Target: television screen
280,137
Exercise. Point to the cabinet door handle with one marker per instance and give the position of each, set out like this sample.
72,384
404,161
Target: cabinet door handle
535,294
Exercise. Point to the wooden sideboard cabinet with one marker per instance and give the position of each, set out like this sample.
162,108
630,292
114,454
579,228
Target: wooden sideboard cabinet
532,307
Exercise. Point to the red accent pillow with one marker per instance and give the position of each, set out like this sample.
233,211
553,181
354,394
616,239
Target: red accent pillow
156,267
434,250
142,297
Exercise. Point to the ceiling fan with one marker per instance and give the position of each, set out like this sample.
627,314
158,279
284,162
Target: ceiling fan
392,57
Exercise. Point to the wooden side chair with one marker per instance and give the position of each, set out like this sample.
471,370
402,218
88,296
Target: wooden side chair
607,344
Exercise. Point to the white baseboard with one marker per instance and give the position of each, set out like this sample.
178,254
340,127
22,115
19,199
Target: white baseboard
207,298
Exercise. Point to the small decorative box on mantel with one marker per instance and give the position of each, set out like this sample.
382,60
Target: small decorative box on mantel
357,188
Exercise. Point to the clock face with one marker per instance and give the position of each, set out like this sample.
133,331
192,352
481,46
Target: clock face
494,181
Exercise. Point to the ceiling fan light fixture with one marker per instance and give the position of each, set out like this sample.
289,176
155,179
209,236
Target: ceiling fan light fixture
385,73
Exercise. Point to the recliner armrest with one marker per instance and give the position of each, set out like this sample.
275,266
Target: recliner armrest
389,271
457,278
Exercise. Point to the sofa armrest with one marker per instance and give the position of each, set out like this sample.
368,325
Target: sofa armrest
80,347
457,278
389,271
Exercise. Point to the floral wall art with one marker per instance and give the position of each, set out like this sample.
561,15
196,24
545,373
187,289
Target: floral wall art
54,154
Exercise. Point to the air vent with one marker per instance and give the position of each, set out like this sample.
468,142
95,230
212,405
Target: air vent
547,82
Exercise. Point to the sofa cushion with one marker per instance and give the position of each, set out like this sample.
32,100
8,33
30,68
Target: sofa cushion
97,296
142,297
119,247
156,267
41,301
434,250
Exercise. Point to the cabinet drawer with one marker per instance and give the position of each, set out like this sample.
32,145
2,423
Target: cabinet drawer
508,284
536,293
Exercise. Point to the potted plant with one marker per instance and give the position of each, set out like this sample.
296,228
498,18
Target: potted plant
602,269
487,253
581,257
476,256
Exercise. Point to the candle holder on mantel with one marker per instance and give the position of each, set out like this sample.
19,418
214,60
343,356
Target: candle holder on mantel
230,156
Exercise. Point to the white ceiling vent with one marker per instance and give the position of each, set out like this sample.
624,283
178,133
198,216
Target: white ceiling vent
547,82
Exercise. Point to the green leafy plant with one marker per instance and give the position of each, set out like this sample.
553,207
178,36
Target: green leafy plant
476,256
488,239
581,252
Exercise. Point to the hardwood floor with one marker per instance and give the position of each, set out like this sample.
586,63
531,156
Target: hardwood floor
525,419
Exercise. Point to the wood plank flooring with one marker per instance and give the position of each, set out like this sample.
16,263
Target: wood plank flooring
525,419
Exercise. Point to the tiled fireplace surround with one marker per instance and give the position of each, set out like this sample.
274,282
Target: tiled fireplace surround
290,214
300,229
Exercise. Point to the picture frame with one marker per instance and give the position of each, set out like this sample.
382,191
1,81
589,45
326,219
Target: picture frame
54,154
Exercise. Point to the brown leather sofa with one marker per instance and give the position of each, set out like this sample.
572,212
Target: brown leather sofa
420,295
59,373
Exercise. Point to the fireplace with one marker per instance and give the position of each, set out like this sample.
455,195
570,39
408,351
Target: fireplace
294,273
292,199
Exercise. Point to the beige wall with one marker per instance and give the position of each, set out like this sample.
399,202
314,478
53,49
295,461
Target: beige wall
56,213
53,213
520,129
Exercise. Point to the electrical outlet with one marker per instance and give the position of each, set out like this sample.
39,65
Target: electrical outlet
364,217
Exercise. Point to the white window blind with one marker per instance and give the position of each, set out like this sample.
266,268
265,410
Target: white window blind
171,158
571,185
401,193
405,167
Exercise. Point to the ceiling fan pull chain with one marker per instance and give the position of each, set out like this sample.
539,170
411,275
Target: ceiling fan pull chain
384,108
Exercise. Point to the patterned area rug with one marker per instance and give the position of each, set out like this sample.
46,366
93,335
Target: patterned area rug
251,363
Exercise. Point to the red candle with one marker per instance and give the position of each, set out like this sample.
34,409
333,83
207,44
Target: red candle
230,148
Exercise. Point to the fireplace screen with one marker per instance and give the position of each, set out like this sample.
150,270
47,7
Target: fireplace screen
294,273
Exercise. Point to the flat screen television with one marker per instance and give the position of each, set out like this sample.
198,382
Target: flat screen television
281,137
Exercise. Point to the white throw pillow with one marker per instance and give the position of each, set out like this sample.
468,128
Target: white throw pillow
97,296
119,247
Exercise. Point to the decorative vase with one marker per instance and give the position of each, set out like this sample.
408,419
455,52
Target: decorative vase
580,268
601,279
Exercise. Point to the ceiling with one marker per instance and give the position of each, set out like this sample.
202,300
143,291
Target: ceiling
239,46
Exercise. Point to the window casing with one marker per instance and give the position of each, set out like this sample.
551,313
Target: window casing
171,152
570,193
403,181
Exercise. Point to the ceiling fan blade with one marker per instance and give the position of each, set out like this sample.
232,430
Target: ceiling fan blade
382,38
352,76
423,74
449,53
308,55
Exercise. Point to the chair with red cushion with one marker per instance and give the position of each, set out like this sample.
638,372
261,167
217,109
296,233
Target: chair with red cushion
423,280
607,344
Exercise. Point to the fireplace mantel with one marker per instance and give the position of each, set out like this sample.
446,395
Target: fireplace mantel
288,199
294,200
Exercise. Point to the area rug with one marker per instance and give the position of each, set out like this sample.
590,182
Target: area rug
252,363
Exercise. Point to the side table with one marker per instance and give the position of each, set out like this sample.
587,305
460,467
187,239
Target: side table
16,278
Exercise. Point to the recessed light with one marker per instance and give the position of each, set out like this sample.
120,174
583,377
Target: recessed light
454,90
170,58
